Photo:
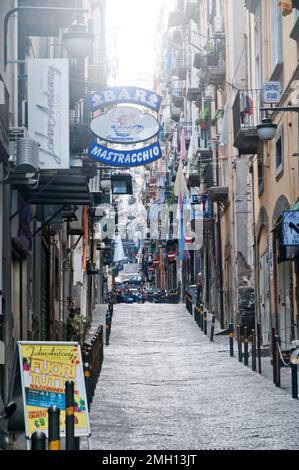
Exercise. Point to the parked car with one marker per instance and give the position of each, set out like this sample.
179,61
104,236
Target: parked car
136,281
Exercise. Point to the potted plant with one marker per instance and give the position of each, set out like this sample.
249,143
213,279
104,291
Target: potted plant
203,118
215,52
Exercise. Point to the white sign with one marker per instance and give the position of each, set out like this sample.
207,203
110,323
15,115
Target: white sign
125,125
290,228
48,110
271,92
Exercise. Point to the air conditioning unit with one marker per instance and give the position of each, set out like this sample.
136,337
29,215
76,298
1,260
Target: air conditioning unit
15,134
27,156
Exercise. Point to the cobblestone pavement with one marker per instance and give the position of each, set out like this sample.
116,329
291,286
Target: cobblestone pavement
164,385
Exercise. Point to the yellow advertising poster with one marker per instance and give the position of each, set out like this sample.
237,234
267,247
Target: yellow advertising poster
45,367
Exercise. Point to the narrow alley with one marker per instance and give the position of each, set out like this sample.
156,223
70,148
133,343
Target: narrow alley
164,385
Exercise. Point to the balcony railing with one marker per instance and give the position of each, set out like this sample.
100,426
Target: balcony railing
188,127
178,97
246,115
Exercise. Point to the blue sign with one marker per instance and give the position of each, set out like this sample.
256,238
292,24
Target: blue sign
290,228
125,158
140,96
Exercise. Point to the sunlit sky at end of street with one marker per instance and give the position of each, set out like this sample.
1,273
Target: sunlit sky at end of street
131,26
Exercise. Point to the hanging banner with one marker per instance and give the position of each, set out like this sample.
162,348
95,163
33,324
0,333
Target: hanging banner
125,158
45,367
125,125
140,96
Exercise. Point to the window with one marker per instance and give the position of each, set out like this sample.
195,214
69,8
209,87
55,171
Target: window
258,40
260,170
276,40
279,154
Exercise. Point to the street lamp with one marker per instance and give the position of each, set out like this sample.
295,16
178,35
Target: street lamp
267,129
77,40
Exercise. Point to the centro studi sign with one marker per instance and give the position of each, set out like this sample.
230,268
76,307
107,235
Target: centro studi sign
121,129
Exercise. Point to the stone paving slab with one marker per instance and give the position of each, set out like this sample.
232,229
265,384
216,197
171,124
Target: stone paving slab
164,385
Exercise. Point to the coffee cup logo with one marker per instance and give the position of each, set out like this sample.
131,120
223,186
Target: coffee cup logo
125,125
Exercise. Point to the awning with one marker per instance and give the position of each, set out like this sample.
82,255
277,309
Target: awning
54,189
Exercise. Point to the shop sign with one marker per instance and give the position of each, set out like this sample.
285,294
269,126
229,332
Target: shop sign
48,110
290,228
271,92
125,158
125,125
45,367
140,96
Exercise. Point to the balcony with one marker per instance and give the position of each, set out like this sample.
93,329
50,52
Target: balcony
192,11
176,18
41,23
245,117
193,94
177,97
97,77
219,194
175,113
215,74
188,129
77,82
80,133
200,61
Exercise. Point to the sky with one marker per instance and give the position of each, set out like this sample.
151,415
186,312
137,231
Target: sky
131,30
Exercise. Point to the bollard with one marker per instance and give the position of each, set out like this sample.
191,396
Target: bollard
258,332
69,416
213,328
239,343
231,339
245,347
201,317
205,322
38,440
90,350
253,351
278,381
294,368
54,428
108,328
87,376
195,314
274,354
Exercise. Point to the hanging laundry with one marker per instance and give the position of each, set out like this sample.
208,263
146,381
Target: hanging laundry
286,5
248,105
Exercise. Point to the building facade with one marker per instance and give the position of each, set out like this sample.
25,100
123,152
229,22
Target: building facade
48,188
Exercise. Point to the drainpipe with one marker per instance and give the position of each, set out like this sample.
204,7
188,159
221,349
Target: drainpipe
255,258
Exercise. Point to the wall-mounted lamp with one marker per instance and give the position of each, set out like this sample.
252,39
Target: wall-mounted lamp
266,130
78,41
